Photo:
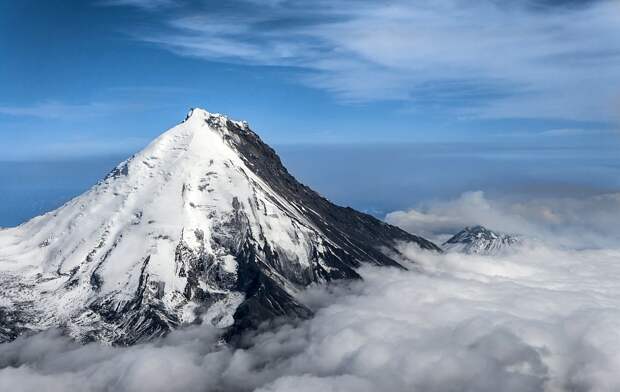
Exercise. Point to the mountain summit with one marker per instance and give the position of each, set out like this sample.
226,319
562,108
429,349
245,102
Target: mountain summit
480,240
204,225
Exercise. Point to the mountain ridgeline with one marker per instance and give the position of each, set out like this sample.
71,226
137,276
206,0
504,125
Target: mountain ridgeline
205,225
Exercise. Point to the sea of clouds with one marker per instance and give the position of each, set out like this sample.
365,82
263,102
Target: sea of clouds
544,317
569,222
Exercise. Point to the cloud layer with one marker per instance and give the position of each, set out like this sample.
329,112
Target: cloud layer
540,319
570,222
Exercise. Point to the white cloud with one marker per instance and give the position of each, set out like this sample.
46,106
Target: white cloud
573,132
480,59
544,318
73,148
573,222
63,111
145,4
541,319
58,146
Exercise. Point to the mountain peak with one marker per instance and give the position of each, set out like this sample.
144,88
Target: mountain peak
480,240
476,228
202,136
205,225
478,231
202,114
217,120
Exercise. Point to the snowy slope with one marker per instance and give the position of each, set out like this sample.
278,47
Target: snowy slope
480,240
203,225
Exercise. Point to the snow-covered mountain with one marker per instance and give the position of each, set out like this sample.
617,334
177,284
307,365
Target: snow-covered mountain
204,225
480,240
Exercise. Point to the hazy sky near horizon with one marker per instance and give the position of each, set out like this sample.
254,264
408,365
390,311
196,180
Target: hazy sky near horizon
377,179
100,77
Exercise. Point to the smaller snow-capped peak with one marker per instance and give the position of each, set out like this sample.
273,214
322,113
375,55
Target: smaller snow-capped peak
480,240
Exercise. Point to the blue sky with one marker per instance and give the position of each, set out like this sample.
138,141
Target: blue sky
86,78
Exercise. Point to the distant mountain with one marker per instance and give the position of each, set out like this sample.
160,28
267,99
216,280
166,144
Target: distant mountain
204,225
480,240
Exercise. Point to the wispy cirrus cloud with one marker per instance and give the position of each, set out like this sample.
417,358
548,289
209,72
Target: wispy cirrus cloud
73,148
484,59
145,4
64,111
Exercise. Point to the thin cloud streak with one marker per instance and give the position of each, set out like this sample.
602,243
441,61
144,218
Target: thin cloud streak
73,148
145,4
63,111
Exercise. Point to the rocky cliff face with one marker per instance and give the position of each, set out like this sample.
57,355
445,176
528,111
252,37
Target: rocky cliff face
203,225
